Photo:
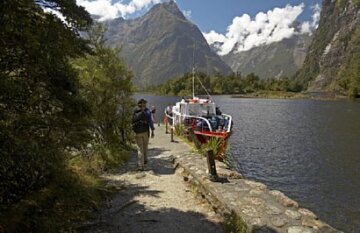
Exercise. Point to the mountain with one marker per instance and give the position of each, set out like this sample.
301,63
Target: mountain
159,45
278,59
333,61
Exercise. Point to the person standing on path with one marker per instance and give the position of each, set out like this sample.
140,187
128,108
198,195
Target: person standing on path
142,123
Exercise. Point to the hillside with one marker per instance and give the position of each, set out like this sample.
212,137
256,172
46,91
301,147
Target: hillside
333,61
159,45
278,59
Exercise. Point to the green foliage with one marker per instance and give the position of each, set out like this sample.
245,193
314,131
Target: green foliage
213,144
341,3
356,2
235,224
57,132
311,68
106,84
41,111
233,84
71,196
179,130
348,77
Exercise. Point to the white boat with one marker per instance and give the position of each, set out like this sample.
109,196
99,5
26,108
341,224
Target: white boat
202,121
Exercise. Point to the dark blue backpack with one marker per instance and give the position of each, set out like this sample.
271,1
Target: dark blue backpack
139,122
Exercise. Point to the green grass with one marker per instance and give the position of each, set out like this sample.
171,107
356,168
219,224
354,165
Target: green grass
212,144
235,224
180,130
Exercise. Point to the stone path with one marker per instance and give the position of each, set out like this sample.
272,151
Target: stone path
156,200
161,199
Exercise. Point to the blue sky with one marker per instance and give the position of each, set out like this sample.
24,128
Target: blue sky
217,15
228,25
211,14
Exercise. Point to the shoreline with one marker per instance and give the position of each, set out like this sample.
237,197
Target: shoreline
250,205
273,95
323,96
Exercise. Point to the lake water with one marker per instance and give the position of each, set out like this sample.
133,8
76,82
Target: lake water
308,149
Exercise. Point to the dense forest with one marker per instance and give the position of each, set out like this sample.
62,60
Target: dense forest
65,104
219,84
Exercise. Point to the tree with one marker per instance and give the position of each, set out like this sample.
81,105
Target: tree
41,111
106,84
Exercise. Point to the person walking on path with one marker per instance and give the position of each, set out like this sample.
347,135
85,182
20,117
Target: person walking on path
142,123
168,116
153,112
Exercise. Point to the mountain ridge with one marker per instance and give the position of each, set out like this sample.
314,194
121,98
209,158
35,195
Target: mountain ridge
275,60
159,45
333,61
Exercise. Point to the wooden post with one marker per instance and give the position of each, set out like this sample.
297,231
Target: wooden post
166,126
172,134
211,165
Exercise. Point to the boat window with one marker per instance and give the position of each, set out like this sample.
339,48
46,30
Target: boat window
194,109
207,109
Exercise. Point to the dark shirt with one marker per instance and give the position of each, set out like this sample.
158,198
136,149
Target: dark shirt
149,118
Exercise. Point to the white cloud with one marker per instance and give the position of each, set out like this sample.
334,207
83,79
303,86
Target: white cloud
245,33
309,27
305,28
187,13
105,9
316,16
213,37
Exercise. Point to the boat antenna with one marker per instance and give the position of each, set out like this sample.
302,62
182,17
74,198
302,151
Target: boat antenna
193,77
202,85
193,72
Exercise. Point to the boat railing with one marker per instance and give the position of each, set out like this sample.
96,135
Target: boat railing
178,118
230,122
182,118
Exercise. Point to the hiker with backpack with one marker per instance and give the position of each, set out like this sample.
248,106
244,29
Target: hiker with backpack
142,123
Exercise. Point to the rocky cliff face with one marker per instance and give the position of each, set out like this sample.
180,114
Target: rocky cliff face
275,60
333,60
159,45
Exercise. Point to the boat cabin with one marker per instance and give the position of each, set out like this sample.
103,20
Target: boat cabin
200,114
195,107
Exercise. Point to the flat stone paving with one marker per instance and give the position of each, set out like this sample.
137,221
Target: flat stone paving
163,200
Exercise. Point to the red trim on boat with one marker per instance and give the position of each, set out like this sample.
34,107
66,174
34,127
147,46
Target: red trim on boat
213,134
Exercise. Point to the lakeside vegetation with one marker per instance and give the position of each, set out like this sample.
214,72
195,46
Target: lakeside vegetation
236,84
65,108
252,86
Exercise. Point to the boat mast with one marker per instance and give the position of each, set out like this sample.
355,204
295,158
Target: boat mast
193,77
193,72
